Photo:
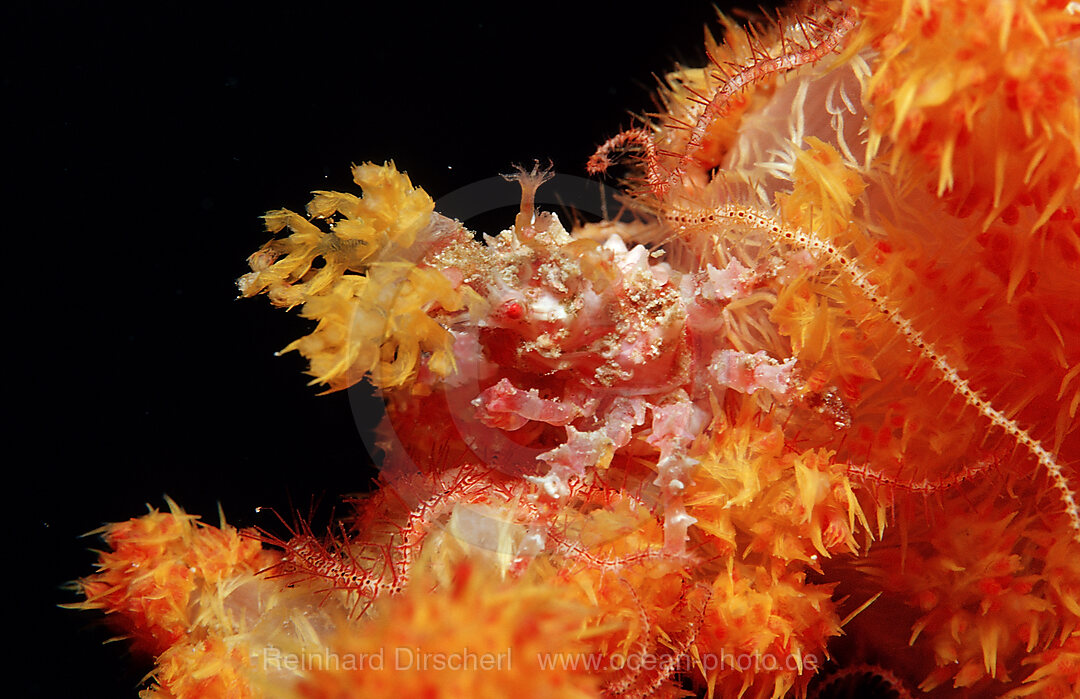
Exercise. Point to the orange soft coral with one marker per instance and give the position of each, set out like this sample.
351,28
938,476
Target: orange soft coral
472,636
159,566
840,398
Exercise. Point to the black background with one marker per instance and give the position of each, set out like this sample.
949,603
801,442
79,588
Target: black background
145,143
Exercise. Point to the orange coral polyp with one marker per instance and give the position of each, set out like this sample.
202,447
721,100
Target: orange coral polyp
157,564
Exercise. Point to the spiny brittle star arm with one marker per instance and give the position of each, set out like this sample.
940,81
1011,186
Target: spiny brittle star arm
756,71
734,78
683,218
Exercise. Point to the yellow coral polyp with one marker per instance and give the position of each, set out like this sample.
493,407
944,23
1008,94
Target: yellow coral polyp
378,325
211,667
771,627
381,225
746,475
824,185
371,302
